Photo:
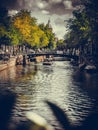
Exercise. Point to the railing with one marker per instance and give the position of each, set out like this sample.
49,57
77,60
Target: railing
53,54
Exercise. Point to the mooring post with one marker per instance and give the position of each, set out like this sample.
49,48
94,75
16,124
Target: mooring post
24,60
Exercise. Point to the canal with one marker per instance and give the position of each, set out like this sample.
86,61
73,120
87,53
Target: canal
75,92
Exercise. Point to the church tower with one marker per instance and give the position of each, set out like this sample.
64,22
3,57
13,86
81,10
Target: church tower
49,25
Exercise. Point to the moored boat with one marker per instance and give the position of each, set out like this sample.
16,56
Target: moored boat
90,68
47,61
82,66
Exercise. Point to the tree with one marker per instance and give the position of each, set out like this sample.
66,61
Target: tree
91,11
79,29
14,35
83,28
24,23
49,35
4,18
4,26
61,45
31,33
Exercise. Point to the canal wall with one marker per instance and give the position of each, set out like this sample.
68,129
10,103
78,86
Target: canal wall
24,60
13,61
7,64
40,58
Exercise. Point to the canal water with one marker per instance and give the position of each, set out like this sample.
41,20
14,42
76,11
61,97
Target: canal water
75,92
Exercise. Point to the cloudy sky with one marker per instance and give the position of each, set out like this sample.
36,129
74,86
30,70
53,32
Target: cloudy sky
55,10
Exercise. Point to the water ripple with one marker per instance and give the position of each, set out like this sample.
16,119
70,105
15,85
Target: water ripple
55,83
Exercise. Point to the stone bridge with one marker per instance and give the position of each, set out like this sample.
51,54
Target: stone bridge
75,57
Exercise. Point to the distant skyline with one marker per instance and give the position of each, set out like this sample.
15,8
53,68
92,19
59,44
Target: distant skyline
55,10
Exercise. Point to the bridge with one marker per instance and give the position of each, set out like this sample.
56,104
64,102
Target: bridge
75,57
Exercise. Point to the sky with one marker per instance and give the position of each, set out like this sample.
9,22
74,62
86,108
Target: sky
57,11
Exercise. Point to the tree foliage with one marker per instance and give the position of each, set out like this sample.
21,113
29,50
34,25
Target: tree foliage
61,44
4,26
14,36
23,22
49,34
35,35
84,24
22,29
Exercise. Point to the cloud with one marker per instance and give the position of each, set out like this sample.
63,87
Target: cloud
59,21
59,31
76,2
42,4
68,4
59,7
12,12
52,6
57,10
45,12
8,3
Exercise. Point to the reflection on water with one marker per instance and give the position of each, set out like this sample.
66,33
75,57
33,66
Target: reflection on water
75,92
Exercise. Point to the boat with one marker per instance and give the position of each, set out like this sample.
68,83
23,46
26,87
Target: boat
47,61
82,66
90,68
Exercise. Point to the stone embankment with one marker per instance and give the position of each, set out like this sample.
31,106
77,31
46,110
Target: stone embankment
18,60
6,64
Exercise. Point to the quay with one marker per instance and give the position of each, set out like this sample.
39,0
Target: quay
6,64
25,59
18,60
